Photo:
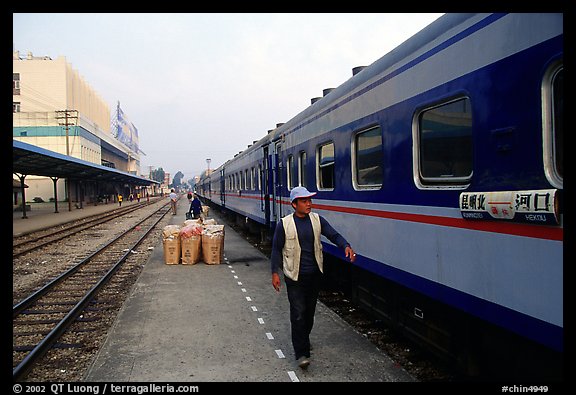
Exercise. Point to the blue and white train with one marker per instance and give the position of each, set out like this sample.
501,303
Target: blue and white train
442,164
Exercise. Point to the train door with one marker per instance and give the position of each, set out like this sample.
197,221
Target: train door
277,181
209,188
222,188
265,185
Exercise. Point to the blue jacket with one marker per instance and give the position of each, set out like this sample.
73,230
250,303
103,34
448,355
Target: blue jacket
196,206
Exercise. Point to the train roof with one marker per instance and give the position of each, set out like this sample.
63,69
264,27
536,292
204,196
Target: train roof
403,51
429,33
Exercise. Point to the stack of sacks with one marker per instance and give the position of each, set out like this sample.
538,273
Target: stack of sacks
191,242
197,221
213,244
171,243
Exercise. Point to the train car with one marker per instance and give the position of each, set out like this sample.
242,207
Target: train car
442,164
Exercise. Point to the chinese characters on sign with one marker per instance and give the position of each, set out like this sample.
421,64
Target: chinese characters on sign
536,206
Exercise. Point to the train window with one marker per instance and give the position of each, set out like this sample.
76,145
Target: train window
325,170
444,143
252,178
558,110
246,183
259,177
292,173
302,169
553,125
367,159
289,172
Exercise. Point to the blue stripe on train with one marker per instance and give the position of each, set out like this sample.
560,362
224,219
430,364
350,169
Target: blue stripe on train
537,330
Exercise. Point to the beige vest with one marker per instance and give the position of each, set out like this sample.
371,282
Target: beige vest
291,251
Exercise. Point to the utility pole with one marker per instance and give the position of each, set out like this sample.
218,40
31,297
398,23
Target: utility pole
66,115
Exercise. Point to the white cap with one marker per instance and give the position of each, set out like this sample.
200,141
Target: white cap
300,192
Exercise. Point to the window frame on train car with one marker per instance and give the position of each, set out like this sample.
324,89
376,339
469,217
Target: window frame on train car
252,183
259,177
289,172
302,156
443,181
246,179
552,128
320,166
354,159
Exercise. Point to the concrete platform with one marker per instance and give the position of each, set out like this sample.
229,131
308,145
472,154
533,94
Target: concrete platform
225,323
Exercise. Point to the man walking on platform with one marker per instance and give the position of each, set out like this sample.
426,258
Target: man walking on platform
297,249
173,200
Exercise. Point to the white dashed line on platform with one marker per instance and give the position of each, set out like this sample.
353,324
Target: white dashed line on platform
293,376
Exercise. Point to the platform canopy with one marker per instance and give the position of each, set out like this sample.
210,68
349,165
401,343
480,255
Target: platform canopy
29,159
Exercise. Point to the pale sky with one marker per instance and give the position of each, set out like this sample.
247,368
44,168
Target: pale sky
201,86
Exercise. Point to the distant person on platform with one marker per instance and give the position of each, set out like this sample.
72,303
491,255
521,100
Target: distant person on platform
173,198
195,207
297,251
119,200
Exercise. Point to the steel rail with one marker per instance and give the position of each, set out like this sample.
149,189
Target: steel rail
46,343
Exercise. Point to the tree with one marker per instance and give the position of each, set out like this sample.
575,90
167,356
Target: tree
177,180
157,175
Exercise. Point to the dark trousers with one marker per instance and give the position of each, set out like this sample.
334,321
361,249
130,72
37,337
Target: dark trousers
302,295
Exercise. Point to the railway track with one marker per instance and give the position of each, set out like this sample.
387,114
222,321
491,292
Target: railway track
27,243
42,318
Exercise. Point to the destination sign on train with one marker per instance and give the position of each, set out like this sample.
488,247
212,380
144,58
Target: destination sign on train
534,206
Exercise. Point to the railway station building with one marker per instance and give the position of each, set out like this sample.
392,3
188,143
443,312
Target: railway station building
56,109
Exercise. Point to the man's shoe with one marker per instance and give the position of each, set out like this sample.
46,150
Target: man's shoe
303,362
